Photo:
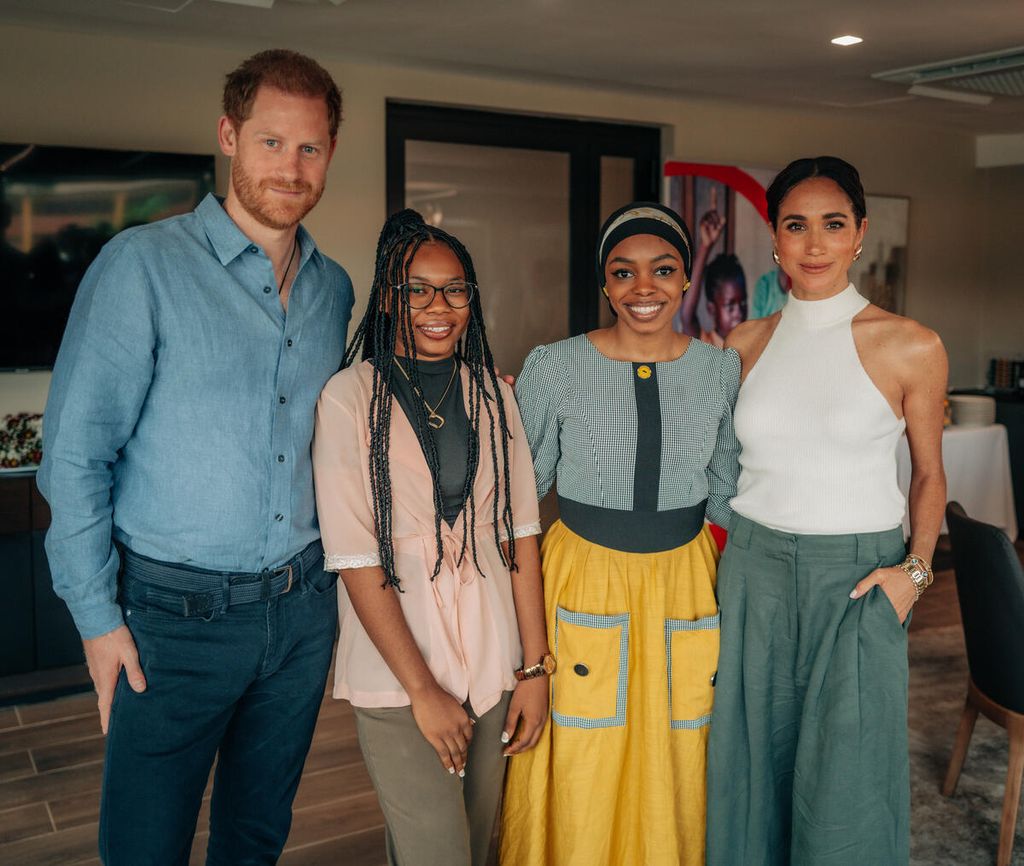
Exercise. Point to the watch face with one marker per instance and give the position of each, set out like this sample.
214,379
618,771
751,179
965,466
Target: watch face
549,664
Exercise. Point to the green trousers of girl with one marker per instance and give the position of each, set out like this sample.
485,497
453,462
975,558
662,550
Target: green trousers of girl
808,762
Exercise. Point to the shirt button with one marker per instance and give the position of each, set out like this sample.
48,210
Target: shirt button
290,343
254,249
267,290
282,399
280,458
278,517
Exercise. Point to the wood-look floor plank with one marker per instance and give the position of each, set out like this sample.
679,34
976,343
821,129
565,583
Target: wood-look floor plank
76,810
331,726
357,849
331,785
51,786
48,733
333,708
63,848
70,754
24,822
329,754
8,718
14,765
338,818
61,708
317,823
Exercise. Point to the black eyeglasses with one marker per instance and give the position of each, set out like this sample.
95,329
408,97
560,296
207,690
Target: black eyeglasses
419,296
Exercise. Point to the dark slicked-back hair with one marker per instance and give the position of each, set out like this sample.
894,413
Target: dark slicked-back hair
387,319
285,70
832,167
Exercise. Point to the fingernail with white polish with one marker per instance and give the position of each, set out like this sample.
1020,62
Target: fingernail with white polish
853,593
451,770
462,774
505,736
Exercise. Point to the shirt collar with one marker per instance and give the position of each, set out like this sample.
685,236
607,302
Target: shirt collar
229,241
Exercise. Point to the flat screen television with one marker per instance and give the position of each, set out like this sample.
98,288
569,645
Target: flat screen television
58,207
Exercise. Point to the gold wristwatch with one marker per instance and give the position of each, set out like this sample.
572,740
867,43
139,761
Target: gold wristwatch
544,667
919,572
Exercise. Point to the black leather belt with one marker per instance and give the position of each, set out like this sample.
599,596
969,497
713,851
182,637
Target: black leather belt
202,590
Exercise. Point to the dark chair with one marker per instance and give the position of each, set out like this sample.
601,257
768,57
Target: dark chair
990,586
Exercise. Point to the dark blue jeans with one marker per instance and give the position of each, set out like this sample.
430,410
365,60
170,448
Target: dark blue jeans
241,683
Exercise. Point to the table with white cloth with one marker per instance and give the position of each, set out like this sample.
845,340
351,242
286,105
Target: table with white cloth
977,464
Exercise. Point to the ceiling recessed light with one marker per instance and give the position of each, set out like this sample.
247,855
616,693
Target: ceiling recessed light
846,40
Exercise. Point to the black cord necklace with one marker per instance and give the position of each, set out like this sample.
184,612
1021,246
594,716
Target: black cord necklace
288,267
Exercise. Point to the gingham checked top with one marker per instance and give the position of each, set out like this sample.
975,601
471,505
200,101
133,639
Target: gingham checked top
579,409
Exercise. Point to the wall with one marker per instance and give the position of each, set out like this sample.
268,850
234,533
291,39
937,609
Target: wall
76,89
1002,298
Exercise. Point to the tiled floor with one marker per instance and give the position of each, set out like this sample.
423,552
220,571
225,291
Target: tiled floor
51,761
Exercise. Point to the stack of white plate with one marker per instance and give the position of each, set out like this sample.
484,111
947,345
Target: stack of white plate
971,410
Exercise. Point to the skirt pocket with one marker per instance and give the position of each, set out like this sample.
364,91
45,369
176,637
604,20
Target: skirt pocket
590,682
691,655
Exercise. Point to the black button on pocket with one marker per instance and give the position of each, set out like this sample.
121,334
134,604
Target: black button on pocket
581,670
714,678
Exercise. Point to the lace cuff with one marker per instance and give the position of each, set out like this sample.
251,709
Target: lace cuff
337,561
523,531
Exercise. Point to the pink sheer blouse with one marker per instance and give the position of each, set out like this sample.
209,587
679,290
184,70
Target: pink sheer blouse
463,623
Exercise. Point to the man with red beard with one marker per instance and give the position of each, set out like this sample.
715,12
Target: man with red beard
177,467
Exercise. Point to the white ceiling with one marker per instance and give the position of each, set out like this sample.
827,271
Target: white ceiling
760,51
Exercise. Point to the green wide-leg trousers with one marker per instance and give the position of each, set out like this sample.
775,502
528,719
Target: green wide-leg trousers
808,760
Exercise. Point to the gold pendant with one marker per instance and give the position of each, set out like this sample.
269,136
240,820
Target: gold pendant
435,421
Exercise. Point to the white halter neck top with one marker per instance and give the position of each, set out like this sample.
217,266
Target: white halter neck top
819,439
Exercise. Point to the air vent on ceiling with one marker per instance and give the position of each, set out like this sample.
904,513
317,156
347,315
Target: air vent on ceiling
1000,73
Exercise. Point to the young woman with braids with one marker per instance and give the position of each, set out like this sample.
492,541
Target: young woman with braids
634,422
428,511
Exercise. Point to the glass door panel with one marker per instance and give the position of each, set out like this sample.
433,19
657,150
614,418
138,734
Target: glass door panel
510,207
617,173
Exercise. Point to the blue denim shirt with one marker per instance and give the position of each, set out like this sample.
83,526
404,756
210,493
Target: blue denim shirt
181,409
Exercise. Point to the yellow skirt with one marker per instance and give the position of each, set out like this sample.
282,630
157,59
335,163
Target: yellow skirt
618,775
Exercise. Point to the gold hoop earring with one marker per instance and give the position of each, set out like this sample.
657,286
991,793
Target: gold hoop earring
857,252
605,290
775,255
686,285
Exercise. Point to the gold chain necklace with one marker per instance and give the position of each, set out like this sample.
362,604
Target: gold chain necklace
434,420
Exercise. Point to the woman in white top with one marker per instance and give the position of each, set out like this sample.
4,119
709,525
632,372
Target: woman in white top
808,760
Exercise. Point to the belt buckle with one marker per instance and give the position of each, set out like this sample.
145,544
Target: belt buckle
291,577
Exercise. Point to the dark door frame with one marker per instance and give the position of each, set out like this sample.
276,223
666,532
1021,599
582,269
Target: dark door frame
585,141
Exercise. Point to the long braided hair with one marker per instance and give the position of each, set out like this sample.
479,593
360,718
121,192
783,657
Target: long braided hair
387,318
